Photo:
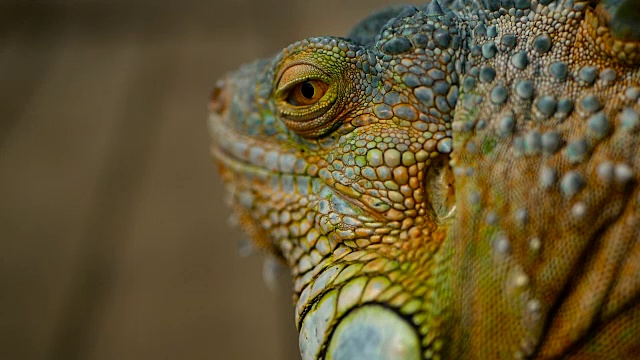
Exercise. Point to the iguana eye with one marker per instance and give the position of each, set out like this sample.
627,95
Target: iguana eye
302,85
307,92
306,99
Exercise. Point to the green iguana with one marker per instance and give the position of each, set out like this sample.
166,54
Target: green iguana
454,181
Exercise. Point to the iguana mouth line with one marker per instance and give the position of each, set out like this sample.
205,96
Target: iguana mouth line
225,149
243,166
237,163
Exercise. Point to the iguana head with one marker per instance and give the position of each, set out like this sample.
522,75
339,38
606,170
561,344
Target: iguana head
335,157
340,156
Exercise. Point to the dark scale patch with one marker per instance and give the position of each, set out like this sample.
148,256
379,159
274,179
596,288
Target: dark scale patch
468,84
577,150
433,8
632,93
508,41
571,183
629,119
442,104
383,111
542,43
507,4
397,45
590,103
426,80
489,50
608,74
532,142
425,95
520,60
406,112
441,87
476,50
407,12
452,96
392,98
547,105
493,5
371,58
492,31
415,69
498,94
411,80
400,69
506,125
551,142
524,89
442,38
588,74
558,70
599,124
565,106
487,74
456,42
420,40
436,74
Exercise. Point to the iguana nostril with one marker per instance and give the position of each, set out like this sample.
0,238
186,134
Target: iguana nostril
218,98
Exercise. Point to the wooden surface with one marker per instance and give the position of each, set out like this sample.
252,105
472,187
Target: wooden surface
114,238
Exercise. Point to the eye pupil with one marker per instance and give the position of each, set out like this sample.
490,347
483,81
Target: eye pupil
308,90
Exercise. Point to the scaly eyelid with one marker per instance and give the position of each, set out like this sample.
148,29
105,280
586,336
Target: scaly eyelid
312,72
309,120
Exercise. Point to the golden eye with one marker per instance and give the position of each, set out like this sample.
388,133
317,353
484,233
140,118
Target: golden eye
307,92
307,99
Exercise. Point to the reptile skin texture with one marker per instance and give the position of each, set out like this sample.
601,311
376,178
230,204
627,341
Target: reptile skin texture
457,180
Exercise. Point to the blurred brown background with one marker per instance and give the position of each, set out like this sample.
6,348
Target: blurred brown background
114,241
